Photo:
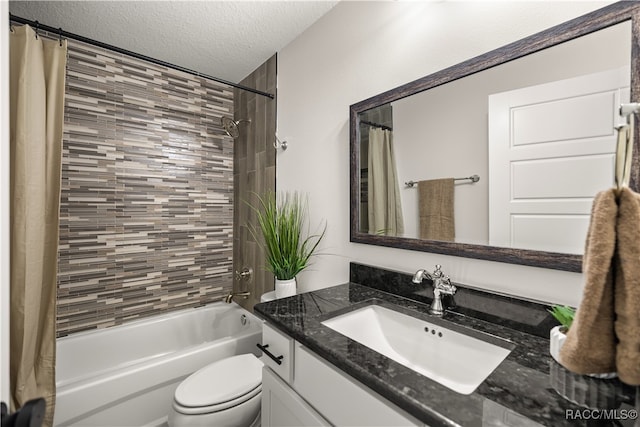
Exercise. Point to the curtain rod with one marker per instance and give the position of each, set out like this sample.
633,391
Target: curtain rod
68,35
375,125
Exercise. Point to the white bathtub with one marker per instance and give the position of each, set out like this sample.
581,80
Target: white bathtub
126,375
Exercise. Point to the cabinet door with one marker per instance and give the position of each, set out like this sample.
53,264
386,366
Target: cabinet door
339,398
282,407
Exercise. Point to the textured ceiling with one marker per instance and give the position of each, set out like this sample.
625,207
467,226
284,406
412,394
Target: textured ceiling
225,39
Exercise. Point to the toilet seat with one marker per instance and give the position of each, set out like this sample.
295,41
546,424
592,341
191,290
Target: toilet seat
210,409
219,386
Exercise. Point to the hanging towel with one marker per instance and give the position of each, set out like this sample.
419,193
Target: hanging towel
627,288
591,343
435,206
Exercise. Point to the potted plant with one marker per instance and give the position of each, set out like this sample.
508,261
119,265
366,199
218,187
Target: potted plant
564,315
281,221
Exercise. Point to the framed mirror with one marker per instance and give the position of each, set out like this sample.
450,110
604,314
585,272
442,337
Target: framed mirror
499,157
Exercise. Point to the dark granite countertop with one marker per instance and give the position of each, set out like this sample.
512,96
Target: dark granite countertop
518,392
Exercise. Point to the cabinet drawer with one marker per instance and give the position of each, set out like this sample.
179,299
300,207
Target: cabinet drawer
278,348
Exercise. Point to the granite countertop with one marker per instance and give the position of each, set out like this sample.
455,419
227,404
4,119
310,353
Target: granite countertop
518,392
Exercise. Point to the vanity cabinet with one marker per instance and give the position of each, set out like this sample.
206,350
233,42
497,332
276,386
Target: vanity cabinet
283,407
305,390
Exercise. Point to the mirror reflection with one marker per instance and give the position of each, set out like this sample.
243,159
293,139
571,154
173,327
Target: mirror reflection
538,133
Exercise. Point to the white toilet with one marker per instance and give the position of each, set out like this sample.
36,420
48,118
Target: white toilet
225,393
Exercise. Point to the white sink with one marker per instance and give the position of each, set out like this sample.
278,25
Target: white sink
453,359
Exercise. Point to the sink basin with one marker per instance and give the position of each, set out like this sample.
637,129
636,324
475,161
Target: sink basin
453,359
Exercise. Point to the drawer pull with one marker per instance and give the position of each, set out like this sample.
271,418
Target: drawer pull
277,359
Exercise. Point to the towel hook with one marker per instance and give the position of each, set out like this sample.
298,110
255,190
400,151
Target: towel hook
624,147
278,144
623,157
630,108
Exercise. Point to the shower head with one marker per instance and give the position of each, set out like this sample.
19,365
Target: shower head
230,126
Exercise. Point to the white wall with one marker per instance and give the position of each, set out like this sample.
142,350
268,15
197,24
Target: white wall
4,201
358,50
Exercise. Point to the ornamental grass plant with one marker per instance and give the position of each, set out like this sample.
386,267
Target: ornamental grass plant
281,222
564,315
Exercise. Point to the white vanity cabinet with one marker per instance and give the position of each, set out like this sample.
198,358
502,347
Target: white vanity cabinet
311,392
283,407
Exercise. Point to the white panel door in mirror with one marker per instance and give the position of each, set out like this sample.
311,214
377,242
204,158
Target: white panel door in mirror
551,149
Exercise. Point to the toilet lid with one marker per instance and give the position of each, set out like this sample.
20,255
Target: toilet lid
221,381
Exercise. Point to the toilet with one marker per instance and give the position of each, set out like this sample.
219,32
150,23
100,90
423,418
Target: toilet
225,393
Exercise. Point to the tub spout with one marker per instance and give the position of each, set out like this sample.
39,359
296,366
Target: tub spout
231,295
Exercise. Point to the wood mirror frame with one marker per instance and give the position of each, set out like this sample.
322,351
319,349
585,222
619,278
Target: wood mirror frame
609,15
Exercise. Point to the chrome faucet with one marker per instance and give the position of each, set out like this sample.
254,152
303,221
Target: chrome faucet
232,295
441,286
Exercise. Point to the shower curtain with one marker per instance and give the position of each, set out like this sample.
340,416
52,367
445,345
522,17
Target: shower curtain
37,80
384,207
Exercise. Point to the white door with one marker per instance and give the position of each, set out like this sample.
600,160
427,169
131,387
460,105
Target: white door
551,149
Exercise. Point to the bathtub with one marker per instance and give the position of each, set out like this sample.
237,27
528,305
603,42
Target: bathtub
126,375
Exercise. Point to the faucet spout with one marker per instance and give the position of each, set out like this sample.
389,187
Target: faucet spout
420,275
231,295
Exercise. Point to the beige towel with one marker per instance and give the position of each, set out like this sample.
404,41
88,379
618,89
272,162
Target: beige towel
590,344
627,288
605,335
435,204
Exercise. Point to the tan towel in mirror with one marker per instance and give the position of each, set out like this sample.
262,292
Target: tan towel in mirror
590,344
627,288
435,206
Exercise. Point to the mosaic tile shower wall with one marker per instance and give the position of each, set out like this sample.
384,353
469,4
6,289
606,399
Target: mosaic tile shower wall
146,221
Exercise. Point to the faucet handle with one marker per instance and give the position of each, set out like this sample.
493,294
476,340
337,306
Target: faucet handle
447,286
438,271
245,274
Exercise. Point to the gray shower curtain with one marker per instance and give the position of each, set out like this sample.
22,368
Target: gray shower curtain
37,80
384,205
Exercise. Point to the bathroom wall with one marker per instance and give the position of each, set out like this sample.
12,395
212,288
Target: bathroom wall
254,174
357,50
146,222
